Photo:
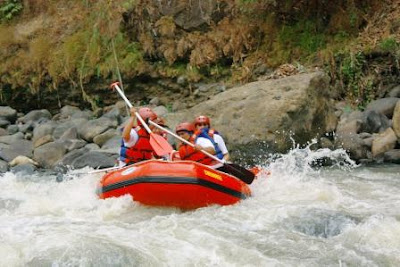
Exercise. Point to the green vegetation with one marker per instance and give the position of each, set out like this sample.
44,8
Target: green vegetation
9,9
51,44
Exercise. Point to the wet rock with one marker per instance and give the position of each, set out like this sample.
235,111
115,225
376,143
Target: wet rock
392,156
3,166
8,139
26,168
321,223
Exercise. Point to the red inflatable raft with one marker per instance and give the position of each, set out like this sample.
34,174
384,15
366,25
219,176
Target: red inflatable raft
181,184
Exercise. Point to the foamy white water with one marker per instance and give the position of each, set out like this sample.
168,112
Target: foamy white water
342,215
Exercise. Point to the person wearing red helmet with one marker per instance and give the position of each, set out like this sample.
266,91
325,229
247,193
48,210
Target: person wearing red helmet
187,152
135,145
203,128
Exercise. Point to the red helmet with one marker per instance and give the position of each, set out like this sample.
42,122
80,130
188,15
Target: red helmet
185,126
202,119
146,114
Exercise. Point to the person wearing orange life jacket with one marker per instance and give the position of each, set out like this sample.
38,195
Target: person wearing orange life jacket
203,128
135,145
187,152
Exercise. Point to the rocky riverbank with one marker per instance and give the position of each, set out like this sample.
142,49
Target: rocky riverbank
274,112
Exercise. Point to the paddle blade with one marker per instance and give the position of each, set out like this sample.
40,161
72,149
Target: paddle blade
239,172
160,146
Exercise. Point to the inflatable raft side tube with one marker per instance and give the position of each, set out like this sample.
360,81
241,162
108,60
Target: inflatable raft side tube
172,180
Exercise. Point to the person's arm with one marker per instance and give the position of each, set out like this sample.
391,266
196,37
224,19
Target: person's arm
221,144
126,134
205,144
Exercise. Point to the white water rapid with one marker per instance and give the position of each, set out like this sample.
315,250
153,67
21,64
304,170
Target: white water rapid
341,215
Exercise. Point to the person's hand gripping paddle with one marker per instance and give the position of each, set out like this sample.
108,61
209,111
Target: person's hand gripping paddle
160,146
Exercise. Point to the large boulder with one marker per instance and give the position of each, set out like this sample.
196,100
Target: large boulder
8,113
17,148
383,106
272,110
48,154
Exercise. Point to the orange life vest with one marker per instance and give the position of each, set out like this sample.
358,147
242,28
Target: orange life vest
142,150
187,152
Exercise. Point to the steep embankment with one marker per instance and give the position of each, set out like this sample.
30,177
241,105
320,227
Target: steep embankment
67,52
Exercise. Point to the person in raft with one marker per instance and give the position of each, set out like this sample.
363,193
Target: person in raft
203,129
187,152
135,145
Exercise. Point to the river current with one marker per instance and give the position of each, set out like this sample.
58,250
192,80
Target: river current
299,215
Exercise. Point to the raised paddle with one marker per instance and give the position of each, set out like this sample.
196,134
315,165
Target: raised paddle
231,168
157,142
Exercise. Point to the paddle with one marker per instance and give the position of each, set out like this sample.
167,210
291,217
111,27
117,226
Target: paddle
231,168
160,146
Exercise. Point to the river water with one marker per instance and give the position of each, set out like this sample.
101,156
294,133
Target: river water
340,215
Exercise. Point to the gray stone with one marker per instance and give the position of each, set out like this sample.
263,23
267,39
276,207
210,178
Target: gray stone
383,106
24,168
43,130
3,166
68,111
17,148
36,115
43,140
374,122
4,123
395,92
8,139
70,133
70,157
101,139
94,160
12,129
26,127
8,113
3,132
392,156
95,127
48,154
161,111
72,144
92,146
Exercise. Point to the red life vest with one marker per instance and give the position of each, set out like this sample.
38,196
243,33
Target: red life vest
142,150
187,152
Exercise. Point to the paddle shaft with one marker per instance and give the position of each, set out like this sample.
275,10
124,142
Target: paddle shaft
186,142
115,85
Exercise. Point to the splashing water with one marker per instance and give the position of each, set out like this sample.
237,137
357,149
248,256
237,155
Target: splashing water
301,214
